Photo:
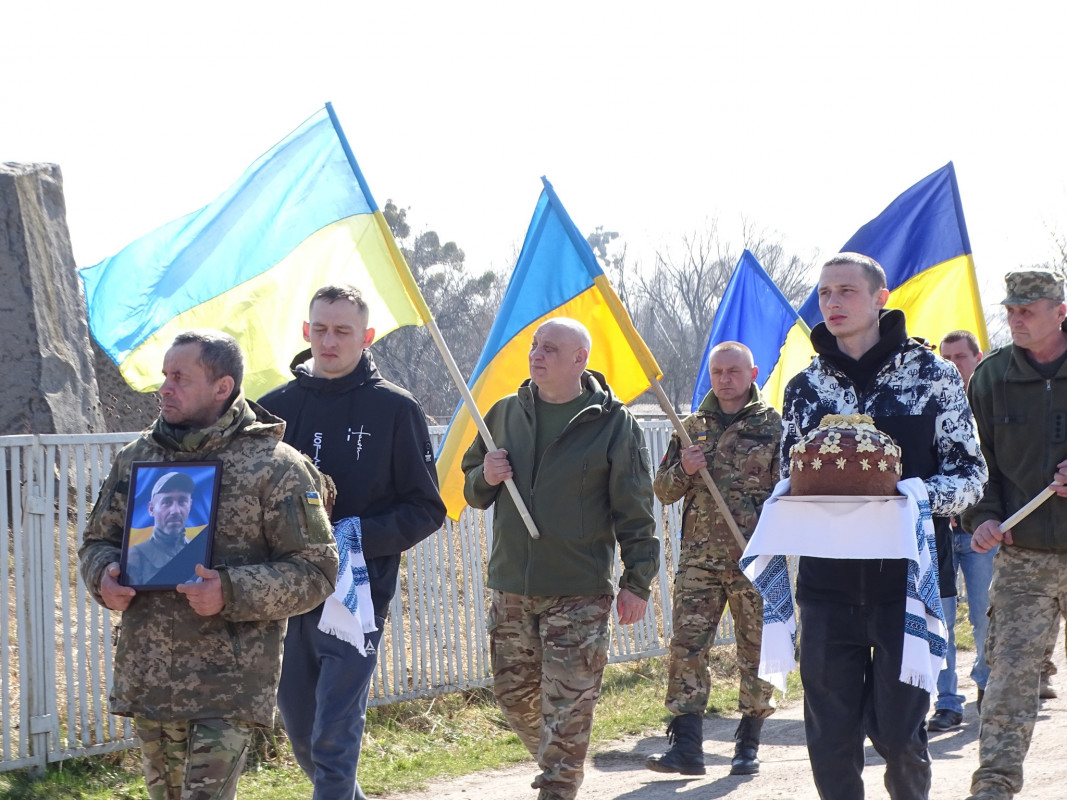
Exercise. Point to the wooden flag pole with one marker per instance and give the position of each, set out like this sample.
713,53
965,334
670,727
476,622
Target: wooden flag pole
1029,508
472,409
419,302
687,442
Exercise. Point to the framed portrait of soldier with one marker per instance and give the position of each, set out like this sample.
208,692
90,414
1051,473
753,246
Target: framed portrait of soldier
170,523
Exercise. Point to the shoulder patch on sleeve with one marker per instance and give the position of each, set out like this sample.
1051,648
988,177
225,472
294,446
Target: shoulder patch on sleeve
427,452
646,459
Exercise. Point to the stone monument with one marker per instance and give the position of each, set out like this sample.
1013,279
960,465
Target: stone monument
48,382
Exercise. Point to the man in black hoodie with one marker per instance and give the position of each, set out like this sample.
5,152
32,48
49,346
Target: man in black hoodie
852,610
370,437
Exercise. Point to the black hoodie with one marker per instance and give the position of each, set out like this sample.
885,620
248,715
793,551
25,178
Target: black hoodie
371,437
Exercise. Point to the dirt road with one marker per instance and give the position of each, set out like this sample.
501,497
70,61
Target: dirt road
616,771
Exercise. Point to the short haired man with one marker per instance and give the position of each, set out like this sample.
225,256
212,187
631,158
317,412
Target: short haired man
579,460
198,668
962,349
736,435
852,611
370,436
169,506
1019,397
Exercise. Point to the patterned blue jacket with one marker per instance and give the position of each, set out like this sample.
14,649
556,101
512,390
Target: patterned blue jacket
919,400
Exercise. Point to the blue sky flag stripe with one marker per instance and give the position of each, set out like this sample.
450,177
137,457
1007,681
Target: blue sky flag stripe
921,241
752,311
301,185
923,227
551,270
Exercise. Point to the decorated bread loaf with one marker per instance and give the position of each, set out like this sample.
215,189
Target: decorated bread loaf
844,455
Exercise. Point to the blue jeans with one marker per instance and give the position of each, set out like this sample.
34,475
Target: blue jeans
323,700
977,575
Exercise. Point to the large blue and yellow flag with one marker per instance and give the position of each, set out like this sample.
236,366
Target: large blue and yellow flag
922,244
300,217
752,311
557,275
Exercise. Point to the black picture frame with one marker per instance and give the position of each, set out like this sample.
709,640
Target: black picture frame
178,493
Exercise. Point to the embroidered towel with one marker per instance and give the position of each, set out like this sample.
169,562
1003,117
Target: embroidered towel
848,527
349,613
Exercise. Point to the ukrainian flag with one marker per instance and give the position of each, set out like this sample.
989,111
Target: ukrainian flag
752,311
556,275
300,217
922,244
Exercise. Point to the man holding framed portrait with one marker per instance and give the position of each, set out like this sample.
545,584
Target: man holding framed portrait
198,660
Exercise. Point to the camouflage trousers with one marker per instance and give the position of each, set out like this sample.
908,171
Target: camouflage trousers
548,657
700,596
192,759
1028,595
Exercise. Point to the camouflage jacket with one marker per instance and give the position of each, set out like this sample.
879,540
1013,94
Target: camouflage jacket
273,548
743,461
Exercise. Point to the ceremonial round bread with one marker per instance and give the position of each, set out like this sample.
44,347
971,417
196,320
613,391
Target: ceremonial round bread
845,455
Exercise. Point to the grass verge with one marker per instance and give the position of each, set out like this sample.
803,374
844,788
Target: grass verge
408,745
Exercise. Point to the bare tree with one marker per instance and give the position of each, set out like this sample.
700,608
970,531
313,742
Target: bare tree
463,304
674,305
794,274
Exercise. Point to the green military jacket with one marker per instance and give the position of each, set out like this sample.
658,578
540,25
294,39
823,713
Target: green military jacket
1022,424
276,556
593,488
743,461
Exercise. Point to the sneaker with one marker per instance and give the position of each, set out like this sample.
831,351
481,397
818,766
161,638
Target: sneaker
1048,691
944,719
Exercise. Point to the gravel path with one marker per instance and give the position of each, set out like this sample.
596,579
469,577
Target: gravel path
616,771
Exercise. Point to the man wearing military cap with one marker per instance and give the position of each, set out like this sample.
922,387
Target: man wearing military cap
1019,397
169,506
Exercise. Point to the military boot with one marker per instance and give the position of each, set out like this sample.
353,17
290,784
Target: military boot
685,734
746,744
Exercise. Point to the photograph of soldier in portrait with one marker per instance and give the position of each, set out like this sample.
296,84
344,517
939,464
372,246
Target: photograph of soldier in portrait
169,523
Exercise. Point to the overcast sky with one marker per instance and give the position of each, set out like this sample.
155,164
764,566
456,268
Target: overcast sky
649,119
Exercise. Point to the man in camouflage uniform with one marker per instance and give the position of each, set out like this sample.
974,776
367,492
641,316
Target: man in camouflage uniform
579,460
197,668
736,436
1019,397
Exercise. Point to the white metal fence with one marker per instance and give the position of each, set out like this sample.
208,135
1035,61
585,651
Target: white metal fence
56,641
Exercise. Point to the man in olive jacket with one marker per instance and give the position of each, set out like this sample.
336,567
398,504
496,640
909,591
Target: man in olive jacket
1019,397
736,436
197,668
579,461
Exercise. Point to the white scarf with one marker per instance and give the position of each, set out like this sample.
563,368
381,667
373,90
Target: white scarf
848,527
349,612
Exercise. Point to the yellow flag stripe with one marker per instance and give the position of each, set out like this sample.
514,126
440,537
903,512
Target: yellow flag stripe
265,314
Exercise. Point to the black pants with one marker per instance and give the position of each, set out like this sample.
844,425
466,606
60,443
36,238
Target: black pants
850,667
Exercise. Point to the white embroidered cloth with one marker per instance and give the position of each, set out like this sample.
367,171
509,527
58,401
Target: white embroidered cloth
348,613
848,527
